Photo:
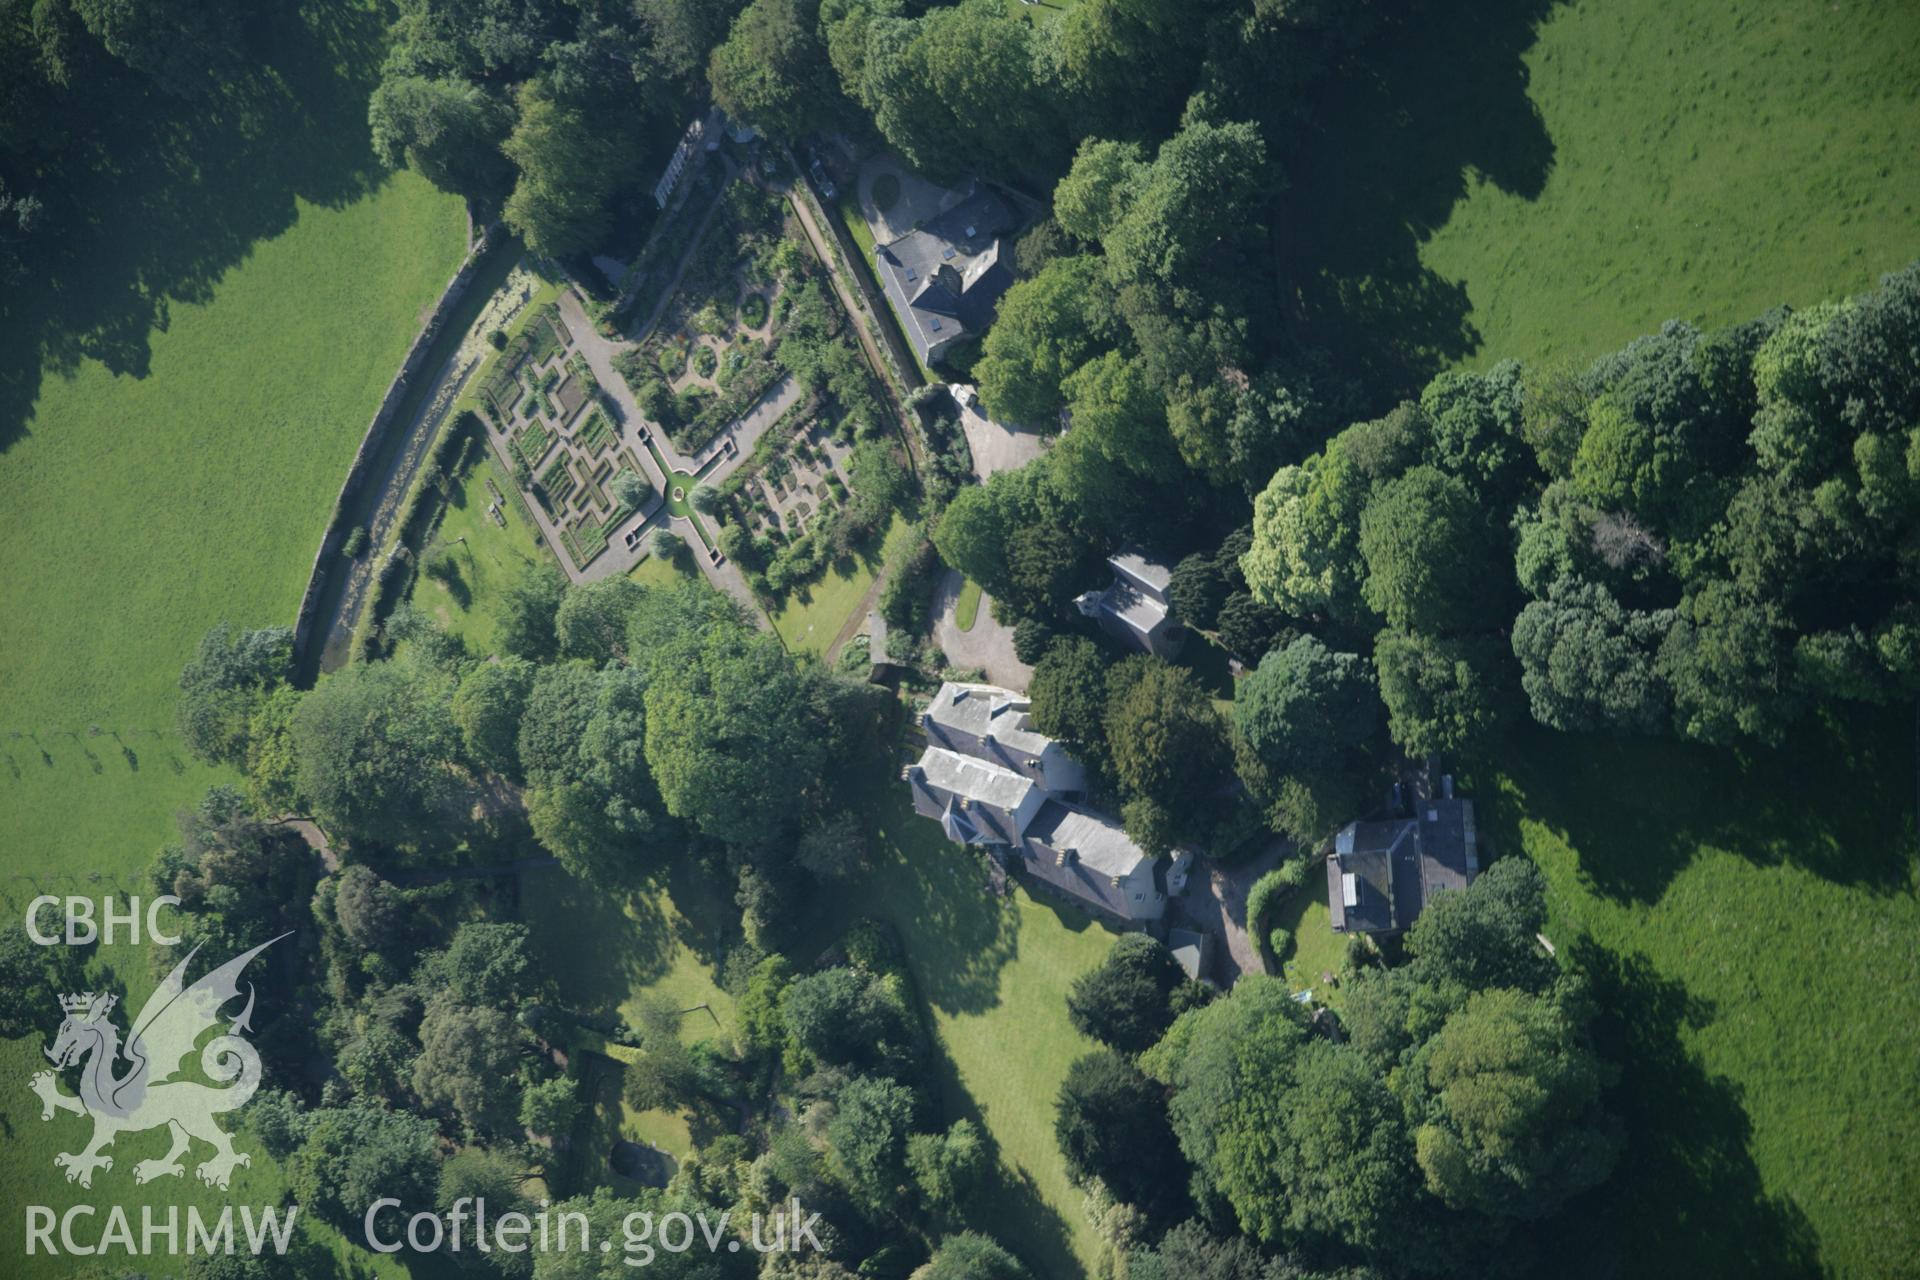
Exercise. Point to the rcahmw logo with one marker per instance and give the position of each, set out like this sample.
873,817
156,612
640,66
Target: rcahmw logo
134,1086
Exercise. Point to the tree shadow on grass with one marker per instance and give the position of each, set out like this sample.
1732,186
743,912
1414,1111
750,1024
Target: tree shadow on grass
597,944
940,894
1835,800
1390,137
1687,1199
155,197
1008,1206
936,894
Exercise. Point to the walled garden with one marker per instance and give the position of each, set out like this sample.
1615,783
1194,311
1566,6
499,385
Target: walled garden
542,402
711,356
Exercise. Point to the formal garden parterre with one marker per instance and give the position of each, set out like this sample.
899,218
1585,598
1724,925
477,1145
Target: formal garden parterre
710,357
542,402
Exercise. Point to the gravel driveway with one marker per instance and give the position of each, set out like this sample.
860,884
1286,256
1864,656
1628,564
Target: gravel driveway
988,646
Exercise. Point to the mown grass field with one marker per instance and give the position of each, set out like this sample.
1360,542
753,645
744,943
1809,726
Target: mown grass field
1753,934
489,558
814,613
655,572
1707,162
142,510
994,974
966,610
1313,948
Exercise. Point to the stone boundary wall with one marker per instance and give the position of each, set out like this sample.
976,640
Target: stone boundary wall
327,560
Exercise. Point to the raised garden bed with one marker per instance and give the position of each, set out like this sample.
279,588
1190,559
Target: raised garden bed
531,443
596,437
571,395
558,481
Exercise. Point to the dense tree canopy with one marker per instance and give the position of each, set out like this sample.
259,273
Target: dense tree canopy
1165,739
1045,328
1587,664
1111,1124
971,1256
867,1139
375,743
1513,1123
542,109
772,70
1124,1002
1422,537
488,707
1442,693
1304,707
582,748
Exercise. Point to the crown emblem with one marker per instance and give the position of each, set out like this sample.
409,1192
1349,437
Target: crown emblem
87,1002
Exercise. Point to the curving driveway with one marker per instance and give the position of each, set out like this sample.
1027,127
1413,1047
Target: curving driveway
989,646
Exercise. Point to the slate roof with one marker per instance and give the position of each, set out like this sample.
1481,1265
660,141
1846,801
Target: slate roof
1136,565
1134,605
988,711
1079,876
981,778
945,277
1398,865
1100,844
977,780
1191,950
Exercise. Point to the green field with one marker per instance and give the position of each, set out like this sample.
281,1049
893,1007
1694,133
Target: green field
655,572
994,974
489,558
1526,179
1709,162
141,510
1754,938
814,613
180,397
1314,949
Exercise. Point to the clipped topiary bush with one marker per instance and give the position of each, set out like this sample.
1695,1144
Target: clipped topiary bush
1277,940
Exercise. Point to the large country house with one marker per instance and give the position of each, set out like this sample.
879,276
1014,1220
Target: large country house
945,277
993,781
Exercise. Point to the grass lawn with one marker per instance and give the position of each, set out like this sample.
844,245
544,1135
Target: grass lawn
1315,948
1709,162
1529,180
614,949
140,511
966,610
814,613
180,397
490,559
1753,934
994,974
655,572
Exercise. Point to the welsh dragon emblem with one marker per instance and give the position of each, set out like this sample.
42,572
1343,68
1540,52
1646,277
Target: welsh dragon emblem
146,1094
